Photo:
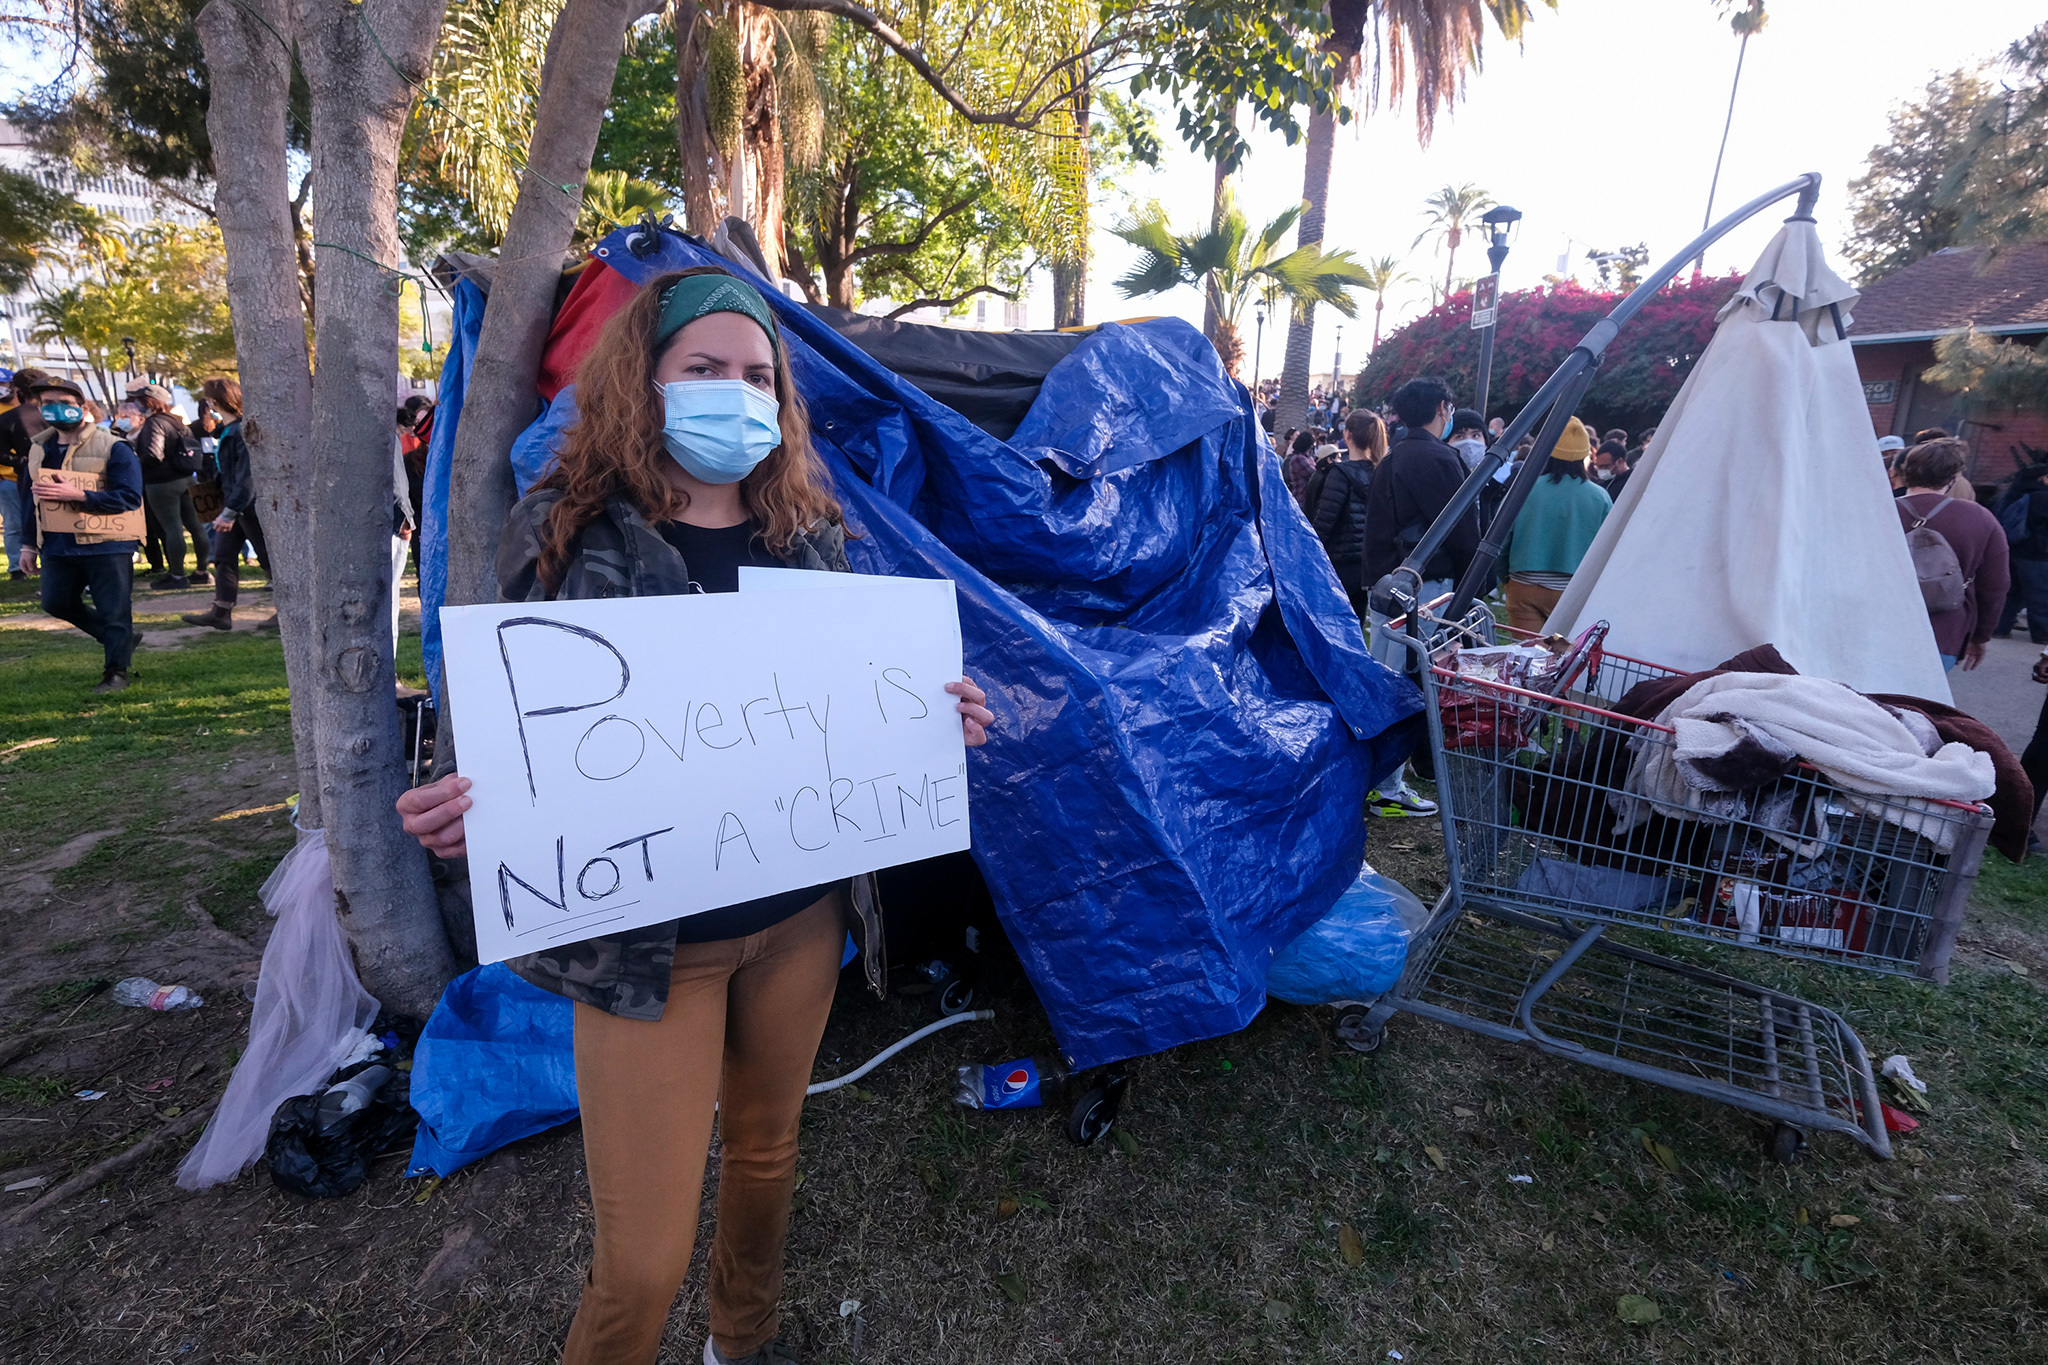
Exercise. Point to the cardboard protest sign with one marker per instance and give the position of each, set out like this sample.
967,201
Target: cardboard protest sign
72,518
637,760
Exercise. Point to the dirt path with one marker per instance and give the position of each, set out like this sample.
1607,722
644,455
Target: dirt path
157,613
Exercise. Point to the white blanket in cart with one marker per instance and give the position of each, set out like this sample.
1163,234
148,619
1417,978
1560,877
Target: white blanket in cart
1740,731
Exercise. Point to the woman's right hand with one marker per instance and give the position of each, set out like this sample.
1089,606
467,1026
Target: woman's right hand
433,815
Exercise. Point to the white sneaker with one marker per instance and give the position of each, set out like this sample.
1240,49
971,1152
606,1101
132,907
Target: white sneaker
1398,805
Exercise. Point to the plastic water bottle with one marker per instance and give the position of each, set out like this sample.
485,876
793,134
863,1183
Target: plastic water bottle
346,1097
141,991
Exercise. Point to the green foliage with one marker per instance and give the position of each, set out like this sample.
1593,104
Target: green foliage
33,218
611,198
897,205
1212,58
638,135
472,126
144,104
1622,266
163,285
1230,265
1992,375
1965,165
1898,210
1641,374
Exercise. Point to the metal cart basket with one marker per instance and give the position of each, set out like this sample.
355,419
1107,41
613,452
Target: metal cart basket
1552,841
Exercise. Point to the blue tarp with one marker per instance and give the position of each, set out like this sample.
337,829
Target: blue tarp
1187,720
494,1064
468,303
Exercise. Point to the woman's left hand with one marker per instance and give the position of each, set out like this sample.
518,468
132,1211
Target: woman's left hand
975,718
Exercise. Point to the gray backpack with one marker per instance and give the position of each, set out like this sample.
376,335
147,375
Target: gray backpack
1935,564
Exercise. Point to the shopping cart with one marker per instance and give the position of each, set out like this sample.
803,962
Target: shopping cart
1551,846
1560,843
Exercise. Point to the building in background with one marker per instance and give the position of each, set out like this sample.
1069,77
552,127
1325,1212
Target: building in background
1898,320
126,196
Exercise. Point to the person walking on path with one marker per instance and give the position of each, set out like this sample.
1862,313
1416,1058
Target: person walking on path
1336,496
1976,538
91,472
2023,512
1410,487
237,525
169,460
691,458
19,425
1553,531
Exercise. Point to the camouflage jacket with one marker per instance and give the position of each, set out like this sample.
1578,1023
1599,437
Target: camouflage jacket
621,555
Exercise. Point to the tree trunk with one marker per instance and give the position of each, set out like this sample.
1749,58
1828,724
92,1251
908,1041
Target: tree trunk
755,184
693,124
576,84
1070,278
1379,305
1209,315
1290,409
360,103
250,74
1451,239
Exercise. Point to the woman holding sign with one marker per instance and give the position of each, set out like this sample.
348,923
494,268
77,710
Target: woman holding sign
691,458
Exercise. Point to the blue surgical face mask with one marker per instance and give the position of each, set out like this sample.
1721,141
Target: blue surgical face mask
1445,429
63,414
718,430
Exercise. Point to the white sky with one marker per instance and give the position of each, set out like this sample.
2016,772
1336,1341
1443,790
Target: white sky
1602,129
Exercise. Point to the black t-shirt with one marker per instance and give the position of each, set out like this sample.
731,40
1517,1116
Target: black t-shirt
714,555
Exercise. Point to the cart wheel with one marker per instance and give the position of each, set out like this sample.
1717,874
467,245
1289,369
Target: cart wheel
1786,1145
1356,1031
1093,1112
957,996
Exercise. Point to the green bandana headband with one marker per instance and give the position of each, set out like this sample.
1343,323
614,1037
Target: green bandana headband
691,297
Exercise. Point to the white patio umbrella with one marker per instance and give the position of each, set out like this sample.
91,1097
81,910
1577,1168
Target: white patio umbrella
1760,513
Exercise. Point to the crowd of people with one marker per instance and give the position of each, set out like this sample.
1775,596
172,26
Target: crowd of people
91,492
1373,484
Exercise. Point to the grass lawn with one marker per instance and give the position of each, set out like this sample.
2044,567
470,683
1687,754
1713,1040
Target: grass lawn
1270,1195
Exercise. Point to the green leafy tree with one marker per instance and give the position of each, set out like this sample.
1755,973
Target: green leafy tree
33,219
639,131
1899,212
1450,211
1991,375
1965,165
611,198
895,207
1381,274
1230,266
162,286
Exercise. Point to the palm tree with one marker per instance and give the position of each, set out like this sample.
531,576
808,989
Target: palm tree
1449,210
1431,43
612,199
1381,275
1230,266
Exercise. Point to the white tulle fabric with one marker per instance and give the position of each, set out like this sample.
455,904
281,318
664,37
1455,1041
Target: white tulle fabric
311,1014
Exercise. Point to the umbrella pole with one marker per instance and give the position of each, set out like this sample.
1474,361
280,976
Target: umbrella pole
1397,593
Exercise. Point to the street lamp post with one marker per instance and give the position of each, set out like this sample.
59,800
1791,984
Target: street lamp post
1337,368
1498,220
129,342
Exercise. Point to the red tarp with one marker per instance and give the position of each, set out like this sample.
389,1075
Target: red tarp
599,292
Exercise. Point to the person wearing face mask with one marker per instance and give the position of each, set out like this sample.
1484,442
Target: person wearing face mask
19,425
169,460
691,458
93,472
1468,437
1610,467
1412,485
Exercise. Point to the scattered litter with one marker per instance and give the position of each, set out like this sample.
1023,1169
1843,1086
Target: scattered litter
1898,1120
34,1182
1395,1355
1460,1111
91,1095
1898,1068
1521,1180
163,1083
146,994
1637,1309
1843,1220
848,1307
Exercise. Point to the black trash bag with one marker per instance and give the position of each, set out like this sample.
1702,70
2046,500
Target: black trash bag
324,1163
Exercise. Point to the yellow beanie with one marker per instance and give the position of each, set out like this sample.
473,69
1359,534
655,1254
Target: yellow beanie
1573,445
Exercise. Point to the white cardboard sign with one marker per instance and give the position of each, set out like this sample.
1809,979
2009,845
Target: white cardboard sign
642,759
